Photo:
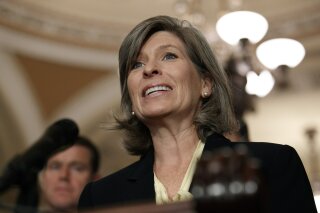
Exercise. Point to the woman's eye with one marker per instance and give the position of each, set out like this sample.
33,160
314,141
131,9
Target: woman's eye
137,65
170,56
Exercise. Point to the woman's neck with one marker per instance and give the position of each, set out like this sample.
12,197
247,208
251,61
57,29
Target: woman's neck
174,147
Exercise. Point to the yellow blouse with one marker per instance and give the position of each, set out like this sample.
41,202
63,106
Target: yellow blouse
183,193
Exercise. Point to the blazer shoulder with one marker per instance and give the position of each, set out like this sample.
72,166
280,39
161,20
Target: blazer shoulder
286,178
130,184
272,150
279,161
264,150
108,190
118,176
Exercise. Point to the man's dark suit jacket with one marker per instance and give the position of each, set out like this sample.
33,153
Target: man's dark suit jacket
286,180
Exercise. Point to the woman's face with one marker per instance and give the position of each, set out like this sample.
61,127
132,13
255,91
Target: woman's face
163,81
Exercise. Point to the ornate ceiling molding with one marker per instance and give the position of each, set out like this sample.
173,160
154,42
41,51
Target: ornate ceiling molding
60,27
50,50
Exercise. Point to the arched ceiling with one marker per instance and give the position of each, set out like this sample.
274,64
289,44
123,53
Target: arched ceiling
59,59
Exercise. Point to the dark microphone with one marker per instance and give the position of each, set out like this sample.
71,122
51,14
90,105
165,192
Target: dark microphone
59,135
22,169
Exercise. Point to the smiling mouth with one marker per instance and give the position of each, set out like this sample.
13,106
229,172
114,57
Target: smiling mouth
156,89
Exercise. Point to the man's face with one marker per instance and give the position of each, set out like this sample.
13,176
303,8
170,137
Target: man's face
64,177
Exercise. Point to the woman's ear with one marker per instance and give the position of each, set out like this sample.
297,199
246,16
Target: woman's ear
206,89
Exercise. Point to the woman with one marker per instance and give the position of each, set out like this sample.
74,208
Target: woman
176,104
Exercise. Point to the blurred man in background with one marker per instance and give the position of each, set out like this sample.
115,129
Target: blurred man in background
66,173
51,174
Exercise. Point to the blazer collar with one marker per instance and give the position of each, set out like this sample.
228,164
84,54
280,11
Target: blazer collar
216,141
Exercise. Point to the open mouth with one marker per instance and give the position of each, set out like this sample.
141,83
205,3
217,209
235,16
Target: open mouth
156,89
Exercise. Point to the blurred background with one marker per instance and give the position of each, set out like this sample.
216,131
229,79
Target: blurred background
59,59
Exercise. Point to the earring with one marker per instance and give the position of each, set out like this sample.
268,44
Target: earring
132,113
205,95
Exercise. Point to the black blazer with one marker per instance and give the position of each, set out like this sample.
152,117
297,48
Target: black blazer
285,177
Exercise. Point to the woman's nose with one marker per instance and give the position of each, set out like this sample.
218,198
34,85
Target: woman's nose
151,69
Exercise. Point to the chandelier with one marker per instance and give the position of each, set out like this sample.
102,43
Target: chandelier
262,66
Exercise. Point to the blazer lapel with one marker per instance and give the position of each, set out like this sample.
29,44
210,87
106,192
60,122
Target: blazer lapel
214,142
141,178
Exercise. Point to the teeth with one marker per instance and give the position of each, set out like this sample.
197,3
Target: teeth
156,88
